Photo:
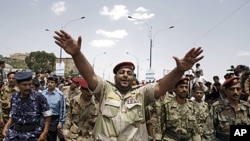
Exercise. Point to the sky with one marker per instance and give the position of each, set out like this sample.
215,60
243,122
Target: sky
220,27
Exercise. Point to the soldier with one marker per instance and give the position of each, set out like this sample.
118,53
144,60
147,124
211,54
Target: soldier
202,114
179,115
72,90
230,111
81,115
122,107
28,108
6,93
154,115
1,114
57,104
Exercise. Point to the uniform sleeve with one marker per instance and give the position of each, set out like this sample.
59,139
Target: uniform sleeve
157,119
62,117
46,111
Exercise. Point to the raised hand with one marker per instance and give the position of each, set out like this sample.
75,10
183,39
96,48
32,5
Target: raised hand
191,57
69,44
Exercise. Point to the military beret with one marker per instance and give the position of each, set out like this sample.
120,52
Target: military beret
121,65
53,78
230,82
183,80
23,76
75,79
83,83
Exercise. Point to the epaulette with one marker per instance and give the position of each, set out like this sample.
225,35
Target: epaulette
110,83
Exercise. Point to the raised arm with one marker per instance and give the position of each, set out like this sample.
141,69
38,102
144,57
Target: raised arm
73,48
184,64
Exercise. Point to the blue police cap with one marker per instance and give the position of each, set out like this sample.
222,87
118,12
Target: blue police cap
53,78
23,76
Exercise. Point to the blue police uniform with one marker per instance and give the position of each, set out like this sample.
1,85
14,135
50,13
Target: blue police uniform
27,114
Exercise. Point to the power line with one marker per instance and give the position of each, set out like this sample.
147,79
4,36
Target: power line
221,22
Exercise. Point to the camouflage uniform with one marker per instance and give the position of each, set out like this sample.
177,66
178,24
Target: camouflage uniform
180,121
202,115
224,115
122,117
69,94
5,96
155,110
80,119
26,113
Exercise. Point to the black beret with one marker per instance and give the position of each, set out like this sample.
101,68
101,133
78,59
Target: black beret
121,65
23,76
183,80
53,78
230,82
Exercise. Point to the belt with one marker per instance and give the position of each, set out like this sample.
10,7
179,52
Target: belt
25,128
177,137
54,117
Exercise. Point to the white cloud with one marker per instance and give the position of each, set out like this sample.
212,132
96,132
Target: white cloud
58,7
115,34
141,9
116,13
103,43
243,53
141,14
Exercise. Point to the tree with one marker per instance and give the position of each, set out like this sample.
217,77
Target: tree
40,61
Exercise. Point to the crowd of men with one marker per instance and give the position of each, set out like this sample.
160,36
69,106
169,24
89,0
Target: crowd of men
177,107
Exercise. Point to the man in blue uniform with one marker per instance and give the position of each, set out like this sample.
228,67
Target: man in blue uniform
57,104
30,113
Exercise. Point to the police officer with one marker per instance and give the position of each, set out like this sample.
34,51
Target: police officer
122,107
229,111
28,108
81,115
57,104
179,115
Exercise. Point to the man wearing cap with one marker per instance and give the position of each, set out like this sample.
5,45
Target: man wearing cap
30,113
229,111
81,115
179,117
122,107
57,104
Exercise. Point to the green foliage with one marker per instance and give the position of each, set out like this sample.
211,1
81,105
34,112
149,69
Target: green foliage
40,61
